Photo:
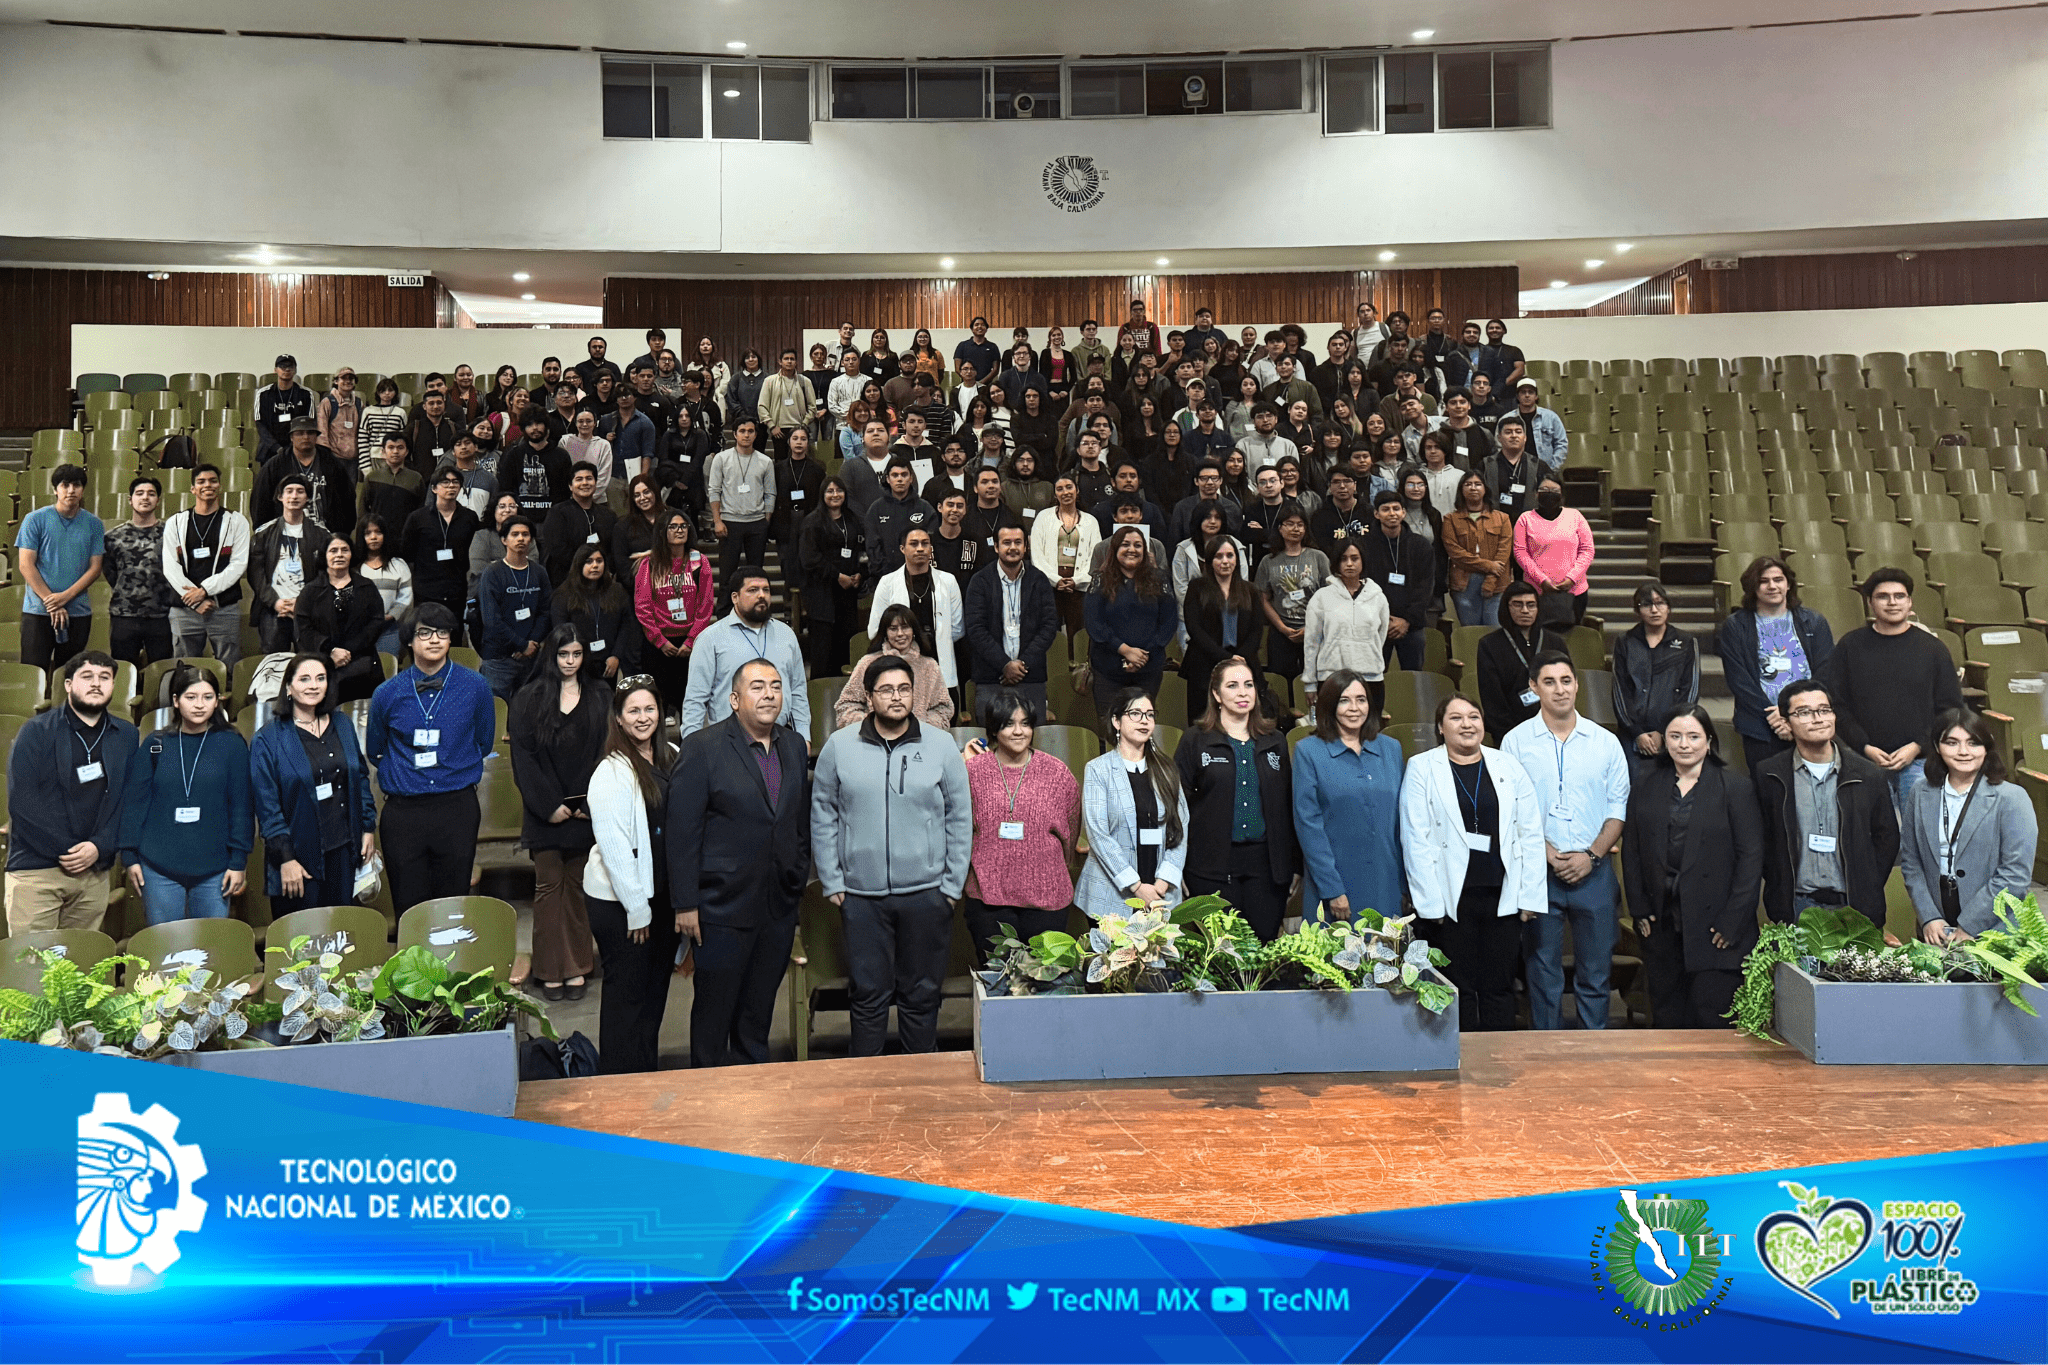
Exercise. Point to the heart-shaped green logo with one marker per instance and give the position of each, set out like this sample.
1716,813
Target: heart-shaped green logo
1802,1249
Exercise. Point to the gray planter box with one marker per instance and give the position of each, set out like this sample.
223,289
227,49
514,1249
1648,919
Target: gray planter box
1958,1023
1229,1033
478,1072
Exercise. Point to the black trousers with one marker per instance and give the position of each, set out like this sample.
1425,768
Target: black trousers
738,973
1484,948
896,950
429,845
983,920
635,989
336,887
40,646
831,642
136,639
671,676
1249,888
1755,751
746,542
1679,998
277,634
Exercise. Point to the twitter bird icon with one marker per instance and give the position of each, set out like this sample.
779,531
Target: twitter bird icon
1023,1295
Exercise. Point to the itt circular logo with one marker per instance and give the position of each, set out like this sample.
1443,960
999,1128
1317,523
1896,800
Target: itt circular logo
1074,183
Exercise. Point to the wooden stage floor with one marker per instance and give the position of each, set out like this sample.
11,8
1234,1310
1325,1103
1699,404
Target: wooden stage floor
1529,1113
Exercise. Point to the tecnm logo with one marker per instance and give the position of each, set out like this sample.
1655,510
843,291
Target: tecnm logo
134,1189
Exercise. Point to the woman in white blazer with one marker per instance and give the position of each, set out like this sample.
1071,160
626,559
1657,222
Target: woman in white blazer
625,881
1346,625
1472,839
1136,815
949,622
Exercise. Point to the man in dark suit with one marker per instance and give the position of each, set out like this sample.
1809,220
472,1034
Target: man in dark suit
739,854
1011,621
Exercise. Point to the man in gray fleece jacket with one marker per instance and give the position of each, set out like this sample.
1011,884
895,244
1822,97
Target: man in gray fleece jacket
891,831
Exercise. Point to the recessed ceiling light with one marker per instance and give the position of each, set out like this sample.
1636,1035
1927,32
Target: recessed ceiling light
730,94
1594,265
736,46
1162,261
265,254
1386,255
1624,246
527,297
520,277
1423,35
1560,284
945,262
159,275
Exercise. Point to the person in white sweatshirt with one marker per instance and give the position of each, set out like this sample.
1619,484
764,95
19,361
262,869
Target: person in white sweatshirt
1346,625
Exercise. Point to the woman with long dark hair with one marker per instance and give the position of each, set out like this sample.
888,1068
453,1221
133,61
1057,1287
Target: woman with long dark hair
503,381
1656,676
639,525
314,804
1131,620
673,599
185,833
1031,424
1135,812
1347,805
901,636
558,725
880,364
1966,833
1222,618
602,612
1063,539
743,394
625,880
340,615
377,559
1235,767
1479,542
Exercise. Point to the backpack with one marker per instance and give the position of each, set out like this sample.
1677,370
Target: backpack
542,1060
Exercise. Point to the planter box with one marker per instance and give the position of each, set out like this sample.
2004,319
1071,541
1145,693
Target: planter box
1957,1023
478,1072
1228,1033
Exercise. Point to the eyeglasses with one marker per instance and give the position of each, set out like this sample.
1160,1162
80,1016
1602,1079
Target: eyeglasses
1147,716
1811,713
895,690
633,680
430,633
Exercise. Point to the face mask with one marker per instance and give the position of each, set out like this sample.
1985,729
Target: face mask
1550,500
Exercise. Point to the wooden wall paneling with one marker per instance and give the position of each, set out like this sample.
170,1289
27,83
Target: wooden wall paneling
38,308
1867,279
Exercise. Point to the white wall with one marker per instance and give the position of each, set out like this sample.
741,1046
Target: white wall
1758,130
100,349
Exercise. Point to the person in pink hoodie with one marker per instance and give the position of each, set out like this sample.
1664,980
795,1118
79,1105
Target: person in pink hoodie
1554,548
673,600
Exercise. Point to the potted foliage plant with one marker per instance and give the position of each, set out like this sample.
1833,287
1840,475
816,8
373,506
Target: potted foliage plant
1193,992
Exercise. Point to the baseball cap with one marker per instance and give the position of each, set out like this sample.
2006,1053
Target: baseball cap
300,424
1528,384
286,360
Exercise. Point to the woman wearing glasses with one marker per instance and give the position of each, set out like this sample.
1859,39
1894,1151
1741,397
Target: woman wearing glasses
672,597
1027,818
1136,815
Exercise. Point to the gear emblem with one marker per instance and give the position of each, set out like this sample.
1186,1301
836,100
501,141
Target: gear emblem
135,1184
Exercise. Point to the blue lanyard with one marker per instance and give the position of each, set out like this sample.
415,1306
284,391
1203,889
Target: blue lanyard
1560,763
760,648
426,711
1473,795
197,759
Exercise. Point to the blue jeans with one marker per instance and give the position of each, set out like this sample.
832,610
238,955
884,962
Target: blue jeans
166,898
390,640
1475,607
1409,649
1590,905
1903,783
504,676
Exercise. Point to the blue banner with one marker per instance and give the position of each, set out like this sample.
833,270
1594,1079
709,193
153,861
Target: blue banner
149,1211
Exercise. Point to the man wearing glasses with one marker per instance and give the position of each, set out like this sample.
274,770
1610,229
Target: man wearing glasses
430,728
1830,837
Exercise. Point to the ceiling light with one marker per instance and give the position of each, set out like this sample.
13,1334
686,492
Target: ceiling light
1386,255
1560,284
1162,261
1594,265
264,254
520,277
1624,246
1423,35
735,46
730,94
945,262
159,275
527,297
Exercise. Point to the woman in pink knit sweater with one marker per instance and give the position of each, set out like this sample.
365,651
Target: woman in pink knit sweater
1027,818
1554,547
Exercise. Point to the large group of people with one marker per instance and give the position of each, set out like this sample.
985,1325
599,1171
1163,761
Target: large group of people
1228,508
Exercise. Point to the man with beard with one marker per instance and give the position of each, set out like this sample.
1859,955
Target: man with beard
744,634
64,781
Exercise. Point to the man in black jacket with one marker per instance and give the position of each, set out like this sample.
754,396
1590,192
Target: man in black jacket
1404,565
1342,517
1508,656
283,559
1830,837
278,406
435,542
739,854
536,471
65,776
578,520
430,436
331,493
1011,621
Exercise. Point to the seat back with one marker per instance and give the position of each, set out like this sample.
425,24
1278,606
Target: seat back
227,947
368,942
21,970
469,933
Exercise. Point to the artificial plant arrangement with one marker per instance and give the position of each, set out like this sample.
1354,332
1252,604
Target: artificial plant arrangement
160,1013
1841,944
1203,946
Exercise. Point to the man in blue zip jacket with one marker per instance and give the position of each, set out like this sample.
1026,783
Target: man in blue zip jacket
512,596
64,782
430,729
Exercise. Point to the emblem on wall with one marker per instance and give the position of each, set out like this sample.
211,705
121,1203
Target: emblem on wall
1074,183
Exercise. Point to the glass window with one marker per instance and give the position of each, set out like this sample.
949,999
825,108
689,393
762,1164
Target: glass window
1253,87
736,101
1521,88
1098,91
1465,90
1410,103
870,92
628,105
1184,88
786,103
1351,94
1027,92
952,92
678,100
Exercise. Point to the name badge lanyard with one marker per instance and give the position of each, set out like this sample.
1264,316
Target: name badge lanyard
1949,832
1473,795
760,645
1012,828
197,758
92,748
426,711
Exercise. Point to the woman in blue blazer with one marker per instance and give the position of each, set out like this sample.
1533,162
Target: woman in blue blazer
1347,806
314,807
1136,815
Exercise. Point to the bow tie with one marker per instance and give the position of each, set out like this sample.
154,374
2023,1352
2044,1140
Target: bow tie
432,684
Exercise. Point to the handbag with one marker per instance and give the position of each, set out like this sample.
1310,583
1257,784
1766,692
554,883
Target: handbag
1556,609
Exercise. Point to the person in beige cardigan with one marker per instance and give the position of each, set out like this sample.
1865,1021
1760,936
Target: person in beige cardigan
932,704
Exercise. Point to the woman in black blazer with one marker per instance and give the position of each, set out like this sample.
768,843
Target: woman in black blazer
1692,867
340,614
1223,620
1240,845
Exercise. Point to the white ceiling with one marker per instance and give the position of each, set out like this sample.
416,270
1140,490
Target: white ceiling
962,28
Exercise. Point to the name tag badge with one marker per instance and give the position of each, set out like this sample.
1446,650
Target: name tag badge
1397,580
522,614
1821,843
590,539
1479,843
90,772
426,759
846,553
684,459
202,552
444,556
1297,595
1152,836
426,739
746,488
796,495
675,604
1518,488
323,791
1011,829
596,645
1506,501
437,452
1560,811
1528,697
1030,513
186,815
1462,448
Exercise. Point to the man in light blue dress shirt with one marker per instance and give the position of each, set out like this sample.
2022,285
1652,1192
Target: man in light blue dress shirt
745,633
1581,777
